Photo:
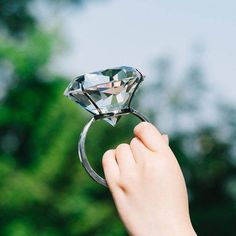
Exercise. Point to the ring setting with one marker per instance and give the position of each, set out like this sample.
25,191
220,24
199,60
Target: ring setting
107,94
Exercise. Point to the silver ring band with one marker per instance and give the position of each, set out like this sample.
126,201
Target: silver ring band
81,145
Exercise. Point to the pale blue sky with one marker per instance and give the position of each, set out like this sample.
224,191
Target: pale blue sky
136,32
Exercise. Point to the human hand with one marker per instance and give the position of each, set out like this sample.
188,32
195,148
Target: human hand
148,186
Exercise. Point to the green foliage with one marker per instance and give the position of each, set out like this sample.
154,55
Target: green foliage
203,139
44,190
16,17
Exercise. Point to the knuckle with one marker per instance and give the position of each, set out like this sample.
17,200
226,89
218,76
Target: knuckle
122,146
133,142
142,127
108,154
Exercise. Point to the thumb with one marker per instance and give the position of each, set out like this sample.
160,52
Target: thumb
149,135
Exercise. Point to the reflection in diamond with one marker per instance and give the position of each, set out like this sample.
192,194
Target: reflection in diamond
111,90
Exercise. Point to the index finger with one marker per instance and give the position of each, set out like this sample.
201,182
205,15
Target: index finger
150,136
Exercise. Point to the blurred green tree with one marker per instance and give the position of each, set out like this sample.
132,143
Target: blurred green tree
16,17
202,135
43,189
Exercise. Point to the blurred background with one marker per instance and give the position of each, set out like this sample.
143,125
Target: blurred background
186,50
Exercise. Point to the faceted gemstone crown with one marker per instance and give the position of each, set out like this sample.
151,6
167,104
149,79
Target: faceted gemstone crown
101,92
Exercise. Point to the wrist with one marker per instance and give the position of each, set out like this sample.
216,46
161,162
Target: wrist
166,230
177,230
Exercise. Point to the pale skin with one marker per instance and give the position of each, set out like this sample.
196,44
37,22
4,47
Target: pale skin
148,186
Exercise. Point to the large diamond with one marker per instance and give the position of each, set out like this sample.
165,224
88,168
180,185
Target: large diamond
105,91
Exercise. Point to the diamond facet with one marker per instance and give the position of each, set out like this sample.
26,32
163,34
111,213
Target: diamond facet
105,91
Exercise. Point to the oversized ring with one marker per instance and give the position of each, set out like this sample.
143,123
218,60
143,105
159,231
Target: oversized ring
107,94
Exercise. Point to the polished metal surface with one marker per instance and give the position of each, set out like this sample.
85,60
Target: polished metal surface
81,146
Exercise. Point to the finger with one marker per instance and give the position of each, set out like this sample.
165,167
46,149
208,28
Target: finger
110,168
149,136
166,138
138,149
124,157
